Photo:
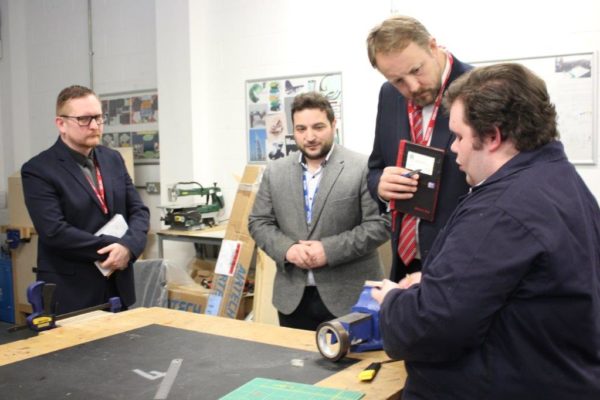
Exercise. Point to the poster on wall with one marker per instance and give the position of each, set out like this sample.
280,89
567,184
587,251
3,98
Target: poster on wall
133,122
270,133
571,82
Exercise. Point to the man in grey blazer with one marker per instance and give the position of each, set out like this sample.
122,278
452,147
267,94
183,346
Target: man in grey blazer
314,216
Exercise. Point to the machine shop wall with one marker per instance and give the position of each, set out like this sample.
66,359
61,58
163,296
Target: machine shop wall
236,40
199,53
46,46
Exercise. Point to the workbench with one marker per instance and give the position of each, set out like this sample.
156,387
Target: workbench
97,327
212,236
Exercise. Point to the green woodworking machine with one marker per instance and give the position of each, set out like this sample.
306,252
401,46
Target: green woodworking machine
195,214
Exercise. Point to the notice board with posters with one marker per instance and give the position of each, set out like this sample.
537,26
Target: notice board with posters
270,133
572,83
133,122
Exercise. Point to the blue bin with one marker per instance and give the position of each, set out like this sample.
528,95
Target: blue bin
7,304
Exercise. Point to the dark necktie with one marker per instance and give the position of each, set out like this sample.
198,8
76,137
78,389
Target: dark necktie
89,169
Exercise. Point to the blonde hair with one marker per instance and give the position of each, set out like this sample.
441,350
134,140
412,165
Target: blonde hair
72,92
396,33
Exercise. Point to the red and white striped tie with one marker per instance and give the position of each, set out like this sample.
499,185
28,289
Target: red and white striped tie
407,245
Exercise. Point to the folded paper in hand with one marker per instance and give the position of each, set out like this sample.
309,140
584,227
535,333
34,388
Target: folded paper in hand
117,227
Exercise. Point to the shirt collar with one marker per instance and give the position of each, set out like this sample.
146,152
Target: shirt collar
80,158
447,67
302,161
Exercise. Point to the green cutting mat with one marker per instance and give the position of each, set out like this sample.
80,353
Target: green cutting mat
272,389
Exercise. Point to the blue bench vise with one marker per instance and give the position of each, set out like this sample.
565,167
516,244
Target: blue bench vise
355,332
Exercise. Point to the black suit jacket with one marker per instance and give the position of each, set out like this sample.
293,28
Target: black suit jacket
392,126
66,213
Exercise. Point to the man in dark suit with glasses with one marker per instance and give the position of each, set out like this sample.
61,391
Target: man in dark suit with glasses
73,189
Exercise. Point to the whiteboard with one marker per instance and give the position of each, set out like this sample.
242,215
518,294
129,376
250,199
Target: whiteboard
571,80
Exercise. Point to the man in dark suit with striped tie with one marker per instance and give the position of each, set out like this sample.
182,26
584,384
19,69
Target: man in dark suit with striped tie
417,71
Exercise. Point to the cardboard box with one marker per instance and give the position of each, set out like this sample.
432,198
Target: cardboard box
18,216
127,154
244,200
201,269
228,291
194,298
188,298
150,249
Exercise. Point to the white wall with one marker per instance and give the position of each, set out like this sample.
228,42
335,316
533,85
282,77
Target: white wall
43,56
46,46
124,46
517,29
199,53
39,57
234,41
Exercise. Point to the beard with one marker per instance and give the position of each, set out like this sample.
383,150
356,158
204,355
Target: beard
325,148
425,97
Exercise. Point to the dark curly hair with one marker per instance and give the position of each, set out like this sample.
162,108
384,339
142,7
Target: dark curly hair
507,96
312,100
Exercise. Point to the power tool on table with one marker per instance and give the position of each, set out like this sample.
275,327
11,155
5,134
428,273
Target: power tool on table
356,332
196,215
41,297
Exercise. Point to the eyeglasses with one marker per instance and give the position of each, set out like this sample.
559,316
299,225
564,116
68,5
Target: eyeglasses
86,120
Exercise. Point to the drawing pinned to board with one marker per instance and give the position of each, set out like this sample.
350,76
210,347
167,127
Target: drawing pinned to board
125,139
118,110
256,115
274,97
291,88
256,144
574,67
276,151
255,92
571,80
146,145
276,125
331,87
268,106
108,140
144,109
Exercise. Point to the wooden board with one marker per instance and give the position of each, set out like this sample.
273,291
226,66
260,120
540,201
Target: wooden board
130,365
72,332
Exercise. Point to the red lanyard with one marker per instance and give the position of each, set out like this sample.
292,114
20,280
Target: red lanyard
436,106
430,125
100,190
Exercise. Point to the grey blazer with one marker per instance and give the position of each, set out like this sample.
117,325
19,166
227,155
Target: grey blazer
345,219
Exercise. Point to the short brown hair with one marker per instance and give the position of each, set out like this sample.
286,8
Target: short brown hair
507,96
312,100
72,92
395,34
